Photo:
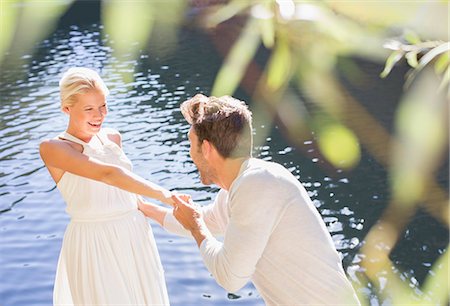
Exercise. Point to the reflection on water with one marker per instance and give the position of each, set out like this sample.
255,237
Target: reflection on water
32,217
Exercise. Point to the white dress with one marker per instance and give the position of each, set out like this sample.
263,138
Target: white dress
108,255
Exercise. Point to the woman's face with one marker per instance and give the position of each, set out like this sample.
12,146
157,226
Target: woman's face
88,112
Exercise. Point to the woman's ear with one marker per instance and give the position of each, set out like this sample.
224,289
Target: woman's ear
66,110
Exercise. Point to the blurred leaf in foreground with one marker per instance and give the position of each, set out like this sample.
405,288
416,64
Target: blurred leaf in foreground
25,24
128,25
237,60
339,145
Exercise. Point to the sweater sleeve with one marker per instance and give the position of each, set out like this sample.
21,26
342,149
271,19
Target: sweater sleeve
255,209
172,225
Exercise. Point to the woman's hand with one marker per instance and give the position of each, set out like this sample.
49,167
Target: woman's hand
169,198
152,211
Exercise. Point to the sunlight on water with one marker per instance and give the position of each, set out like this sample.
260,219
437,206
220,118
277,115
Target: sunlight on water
145,111
33,220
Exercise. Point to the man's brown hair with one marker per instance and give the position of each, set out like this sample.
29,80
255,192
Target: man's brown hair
225,122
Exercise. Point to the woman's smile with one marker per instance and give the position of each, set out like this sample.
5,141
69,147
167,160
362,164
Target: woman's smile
96,125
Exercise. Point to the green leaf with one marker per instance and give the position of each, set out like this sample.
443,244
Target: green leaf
437,285
445,81
427,58
167,21
339,145
237,60
128,24
411,58
412,37
279,66
8,17
391,61
22,25
430,55
267,29
380,13
226,12
442,62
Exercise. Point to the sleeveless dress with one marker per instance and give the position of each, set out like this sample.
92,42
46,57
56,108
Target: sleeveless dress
108,254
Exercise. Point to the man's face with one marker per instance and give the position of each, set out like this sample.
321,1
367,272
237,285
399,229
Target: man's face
207,175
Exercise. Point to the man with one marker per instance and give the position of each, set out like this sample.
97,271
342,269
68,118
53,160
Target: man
272,233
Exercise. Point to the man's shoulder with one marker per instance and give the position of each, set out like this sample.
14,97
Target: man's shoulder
261,175
262,169
261,184
258,174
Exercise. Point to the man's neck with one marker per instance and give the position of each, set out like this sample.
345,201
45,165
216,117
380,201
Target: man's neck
228,170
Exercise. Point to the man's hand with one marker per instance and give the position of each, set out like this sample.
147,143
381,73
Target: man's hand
186,212
190,216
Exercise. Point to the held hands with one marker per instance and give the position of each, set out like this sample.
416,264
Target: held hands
187,212
157,212
169,200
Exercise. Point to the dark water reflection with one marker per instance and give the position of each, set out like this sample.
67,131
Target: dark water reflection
32,217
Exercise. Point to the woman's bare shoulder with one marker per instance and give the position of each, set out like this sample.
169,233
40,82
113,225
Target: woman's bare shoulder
53,142
113,135
50,144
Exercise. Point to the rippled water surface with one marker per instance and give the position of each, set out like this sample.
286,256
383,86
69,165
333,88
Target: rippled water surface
145,111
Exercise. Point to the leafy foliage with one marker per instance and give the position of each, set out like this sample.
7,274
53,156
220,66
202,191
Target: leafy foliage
306,40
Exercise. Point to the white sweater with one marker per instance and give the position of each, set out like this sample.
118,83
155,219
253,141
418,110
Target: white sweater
274,236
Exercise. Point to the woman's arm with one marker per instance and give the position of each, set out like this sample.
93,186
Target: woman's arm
61,155
213,215
153,211
160,214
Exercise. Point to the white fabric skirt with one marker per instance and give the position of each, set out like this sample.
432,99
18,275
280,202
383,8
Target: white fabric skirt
110,262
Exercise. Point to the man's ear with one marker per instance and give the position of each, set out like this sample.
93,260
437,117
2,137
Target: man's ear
66,110
207,149
210,151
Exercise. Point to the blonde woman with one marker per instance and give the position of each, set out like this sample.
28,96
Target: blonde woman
108,253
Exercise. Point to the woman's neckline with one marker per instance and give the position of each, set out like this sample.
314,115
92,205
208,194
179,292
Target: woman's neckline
84,142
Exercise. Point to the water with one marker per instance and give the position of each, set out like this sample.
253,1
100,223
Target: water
145,111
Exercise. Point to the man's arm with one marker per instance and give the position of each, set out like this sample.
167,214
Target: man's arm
255,209
190,216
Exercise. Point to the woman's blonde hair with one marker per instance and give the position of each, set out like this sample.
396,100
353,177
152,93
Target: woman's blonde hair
78,80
